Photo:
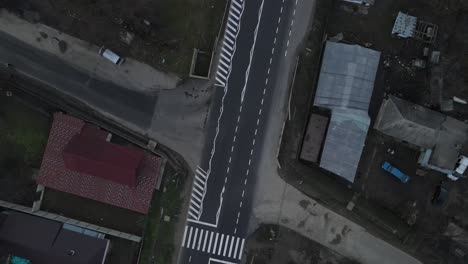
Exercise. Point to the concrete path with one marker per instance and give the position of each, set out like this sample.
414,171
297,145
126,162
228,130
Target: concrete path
84,56
179,119
298,212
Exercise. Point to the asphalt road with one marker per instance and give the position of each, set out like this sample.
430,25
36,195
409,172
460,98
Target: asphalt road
255,44
110,98
220,205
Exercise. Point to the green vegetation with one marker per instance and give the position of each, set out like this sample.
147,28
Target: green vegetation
23,136
189,24
158,242
23,132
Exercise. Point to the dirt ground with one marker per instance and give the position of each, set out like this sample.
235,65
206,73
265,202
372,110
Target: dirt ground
94,212
158,244
165,32
401,214
373,28
410,202
24,133
279,245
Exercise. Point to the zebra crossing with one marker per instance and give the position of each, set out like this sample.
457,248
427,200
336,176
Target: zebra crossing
213,242
229,42
198,193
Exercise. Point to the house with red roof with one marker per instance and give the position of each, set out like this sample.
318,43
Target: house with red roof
79,159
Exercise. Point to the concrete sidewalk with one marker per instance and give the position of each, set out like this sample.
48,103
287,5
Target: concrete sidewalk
298,212
179,119
84,56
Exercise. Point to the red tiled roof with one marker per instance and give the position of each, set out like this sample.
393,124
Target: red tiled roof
103,159
54,174
93,132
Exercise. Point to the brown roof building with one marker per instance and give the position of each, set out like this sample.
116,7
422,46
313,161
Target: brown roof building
314,137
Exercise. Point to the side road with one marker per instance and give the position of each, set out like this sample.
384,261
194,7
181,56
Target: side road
84,56
133,95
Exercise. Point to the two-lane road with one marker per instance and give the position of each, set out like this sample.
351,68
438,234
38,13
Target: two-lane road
256,40
60,77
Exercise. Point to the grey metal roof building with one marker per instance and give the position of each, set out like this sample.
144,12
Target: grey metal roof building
344,143
424,128
345,86
347,76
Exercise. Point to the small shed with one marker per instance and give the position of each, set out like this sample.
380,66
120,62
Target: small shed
314,137
405,25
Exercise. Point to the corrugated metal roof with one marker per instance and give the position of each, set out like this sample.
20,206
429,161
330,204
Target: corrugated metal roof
409,122
344,143
347,76
423,127
345,86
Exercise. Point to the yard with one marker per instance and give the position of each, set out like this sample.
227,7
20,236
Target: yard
158,243
402,214
24,135
93,212
165,32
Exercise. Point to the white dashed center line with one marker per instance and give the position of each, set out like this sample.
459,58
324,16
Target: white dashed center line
259,117
290,28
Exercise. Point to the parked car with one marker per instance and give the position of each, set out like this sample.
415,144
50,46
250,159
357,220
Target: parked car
111,56
395,172
460,169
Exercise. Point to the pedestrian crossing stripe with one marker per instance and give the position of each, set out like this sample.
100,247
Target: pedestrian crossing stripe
213,243
229,43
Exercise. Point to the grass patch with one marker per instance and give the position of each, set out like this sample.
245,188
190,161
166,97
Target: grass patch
23,136
23,129
189,24
158,242
165,31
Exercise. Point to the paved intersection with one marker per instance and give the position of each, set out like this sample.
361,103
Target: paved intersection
256,40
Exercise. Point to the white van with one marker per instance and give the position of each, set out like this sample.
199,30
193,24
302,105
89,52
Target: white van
111,56
462,164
